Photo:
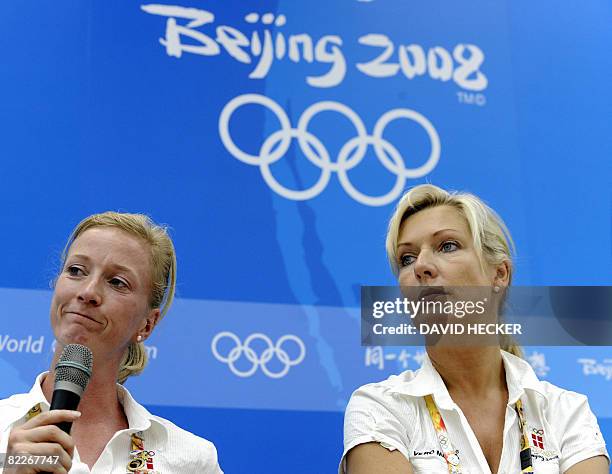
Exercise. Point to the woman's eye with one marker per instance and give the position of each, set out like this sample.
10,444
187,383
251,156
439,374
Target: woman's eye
449,246
73,270
406,260
117,282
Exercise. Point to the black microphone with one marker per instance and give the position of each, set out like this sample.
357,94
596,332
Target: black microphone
72,374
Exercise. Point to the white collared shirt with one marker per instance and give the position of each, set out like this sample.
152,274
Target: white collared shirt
176,450
394,414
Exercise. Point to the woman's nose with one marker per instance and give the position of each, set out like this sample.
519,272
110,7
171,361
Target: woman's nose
425,270
89,292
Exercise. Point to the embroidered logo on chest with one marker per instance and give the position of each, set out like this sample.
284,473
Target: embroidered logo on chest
537,437
539,452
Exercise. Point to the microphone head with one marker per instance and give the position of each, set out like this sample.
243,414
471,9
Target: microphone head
73,369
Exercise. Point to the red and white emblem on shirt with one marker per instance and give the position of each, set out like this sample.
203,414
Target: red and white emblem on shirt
538,440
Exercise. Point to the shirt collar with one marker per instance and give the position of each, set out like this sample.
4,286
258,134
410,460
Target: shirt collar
427,381
139,418
520,377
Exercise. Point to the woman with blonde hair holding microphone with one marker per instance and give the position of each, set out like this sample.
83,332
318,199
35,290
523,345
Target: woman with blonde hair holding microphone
117,280
468,409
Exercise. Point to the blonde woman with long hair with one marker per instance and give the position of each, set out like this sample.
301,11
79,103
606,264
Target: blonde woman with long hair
468,409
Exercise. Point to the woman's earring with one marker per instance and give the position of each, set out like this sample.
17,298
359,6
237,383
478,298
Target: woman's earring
139,338
496,289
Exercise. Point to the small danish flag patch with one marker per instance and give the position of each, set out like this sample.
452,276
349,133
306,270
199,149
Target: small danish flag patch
537,440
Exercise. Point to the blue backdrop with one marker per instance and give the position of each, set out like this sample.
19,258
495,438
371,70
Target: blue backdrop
275,138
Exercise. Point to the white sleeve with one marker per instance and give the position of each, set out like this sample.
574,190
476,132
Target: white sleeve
577,430
374,415
198,455
212,460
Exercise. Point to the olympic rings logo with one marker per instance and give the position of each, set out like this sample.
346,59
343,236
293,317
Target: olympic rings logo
255,359
350,155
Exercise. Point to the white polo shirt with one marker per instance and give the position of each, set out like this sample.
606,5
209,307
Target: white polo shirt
394,414
176,450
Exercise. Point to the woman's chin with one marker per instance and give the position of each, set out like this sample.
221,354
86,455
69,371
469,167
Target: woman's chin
75,336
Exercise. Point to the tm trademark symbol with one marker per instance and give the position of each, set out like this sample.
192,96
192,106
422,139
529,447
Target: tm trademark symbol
471,98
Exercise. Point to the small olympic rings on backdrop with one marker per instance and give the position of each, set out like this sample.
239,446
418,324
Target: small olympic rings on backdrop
276,145
256,360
